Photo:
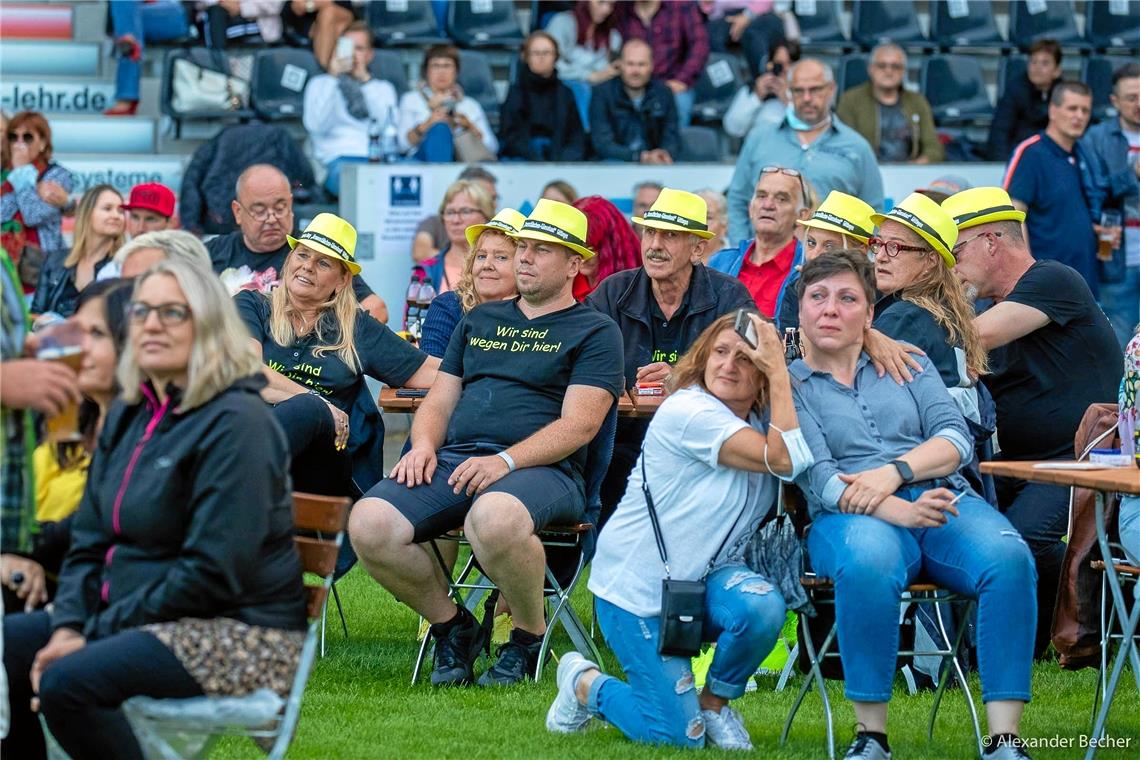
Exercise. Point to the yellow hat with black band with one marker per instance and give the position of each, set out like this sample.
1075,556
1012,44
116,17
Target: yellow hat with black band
921,214
679,211
981,205
556,222
330,236
844,214
507,221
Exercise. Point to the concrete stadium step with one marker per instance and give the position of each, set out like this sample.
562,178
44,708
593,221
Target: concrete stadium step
44,58
103,134
122,170
36,21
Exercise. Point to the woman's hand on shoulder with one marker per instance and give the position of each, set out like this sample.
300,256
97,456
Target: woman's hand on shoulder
892,357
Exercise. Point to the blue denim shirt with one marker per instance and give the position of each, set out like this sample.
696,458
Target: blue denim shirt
1106,149
852,429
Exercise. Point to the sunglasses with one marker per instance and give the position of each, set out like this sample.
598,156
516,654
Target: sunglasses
25,137
789,173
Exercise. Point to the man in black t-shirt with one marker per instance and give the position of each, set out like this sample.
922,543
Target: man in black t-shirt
263,210
499,449
1052,354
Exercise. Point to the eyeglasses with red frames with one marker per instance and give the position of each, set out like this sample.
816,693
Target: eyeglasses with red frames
891,247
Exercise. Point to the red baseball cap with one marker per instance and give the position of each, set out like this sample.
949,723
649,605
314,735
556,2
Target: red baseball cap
152,196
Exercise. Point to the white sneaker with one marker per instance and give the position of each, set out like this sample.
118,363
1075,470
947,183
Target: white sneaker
726,729
866,748
566,714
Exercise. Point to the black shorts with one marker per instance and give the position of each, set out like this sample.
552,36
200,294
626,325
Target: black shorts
550,496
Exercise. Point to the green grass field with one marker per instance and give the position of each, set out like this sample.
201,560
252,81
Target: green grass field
359,704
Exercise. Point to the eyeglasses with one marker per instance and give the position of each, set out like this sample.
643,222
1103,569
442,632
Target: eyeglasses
790,173
889,66
963,243
891,247
169,314
460,213
260,213
27,138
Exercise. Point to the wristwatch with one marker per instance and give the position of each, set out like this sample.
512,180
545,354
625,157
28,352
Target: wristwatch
905,472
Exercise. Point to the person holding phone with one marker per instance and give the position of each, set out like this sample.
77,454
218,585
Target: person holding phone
710,463
437,122
766,101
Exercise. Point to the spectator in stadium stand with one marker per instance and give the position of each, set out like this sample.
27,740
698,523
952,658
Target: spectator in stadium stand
505,479
436,118
150,208
35,192
227,20
169,589
753,26
134,23
99,225
488,275
1052,354
829,153
1114,147
612,237
766,100
431,235
717,219
644,196
588,44
897,123
539,119
1050,176
146,250
341,105
322,21
263,210
661,308
633,117
680,44
559,190
465,203
1023,108
764,261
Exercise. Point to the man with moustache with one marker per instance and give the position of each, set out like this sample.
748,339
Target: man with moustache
661,308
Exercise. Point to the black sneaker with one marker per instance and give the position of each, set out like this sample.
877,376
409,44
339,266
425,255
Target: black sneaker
457,646
516,660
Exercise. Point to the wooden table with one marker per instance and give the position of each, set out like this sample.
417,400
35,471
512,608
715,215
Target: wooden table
1124,480
390,402
629,404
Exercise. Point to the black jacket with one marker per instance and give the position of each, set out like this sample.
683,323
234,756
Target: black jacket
625,296
620,131
536,100
186,514
1022,111
55,288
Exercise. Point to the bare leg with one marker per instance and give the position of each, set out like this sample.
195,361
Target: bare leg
1004,717
502,537
872,716
330,24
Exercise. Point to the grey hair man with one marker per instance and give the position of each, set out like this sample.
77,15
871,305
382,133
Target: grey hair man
148,249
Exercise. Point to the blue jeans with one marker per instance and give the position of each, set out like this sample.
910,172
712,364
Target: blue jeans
332,180
1130,525
438,146
154,22
743,615
582,91
977,554
684,101
1121,304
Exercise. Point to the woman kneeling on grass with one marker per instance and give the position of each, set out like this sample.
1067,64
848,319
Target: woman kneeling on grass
888,503
710,459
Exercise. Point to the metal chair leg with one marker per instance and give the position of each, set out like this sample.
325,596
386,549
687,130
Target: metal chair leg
950,661
815,676
340,610
1126,652
789,666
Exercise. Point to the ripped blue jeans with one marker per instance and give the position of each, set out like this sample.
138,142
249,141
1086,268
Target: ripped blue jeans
978,554
743,616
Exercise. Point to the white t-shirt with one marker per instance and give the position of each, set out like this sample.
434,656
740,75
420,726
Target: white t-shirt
335,133
1132,207
698,502
414,110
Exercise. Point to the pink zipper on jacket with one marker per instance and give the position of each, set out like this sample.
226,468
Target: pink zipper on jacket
156,417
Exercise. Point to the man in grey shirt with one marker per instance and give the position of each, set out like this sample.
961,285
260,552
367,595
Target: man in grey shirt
811,140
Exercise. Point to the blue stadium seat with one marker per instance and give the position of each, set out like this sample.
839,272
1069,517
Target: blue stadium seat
1010,69
207,59
388,66
1030,20
875,21
700,144
279,79
820,28
484,23
964,23
476,80
720,79
1096,72
413,25
851,72
954,86
1105,29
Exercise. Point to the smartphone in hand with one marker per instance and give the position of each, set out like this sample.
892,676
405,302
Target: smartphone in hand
345,47
745,329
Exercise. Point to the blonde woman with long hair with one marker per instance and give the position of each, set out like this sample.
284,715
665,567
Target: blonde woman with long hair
317,347
99,226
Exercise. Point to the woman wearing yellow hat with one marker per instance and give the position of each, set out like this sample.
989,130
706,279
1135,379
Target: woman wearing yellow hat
318,346
487,275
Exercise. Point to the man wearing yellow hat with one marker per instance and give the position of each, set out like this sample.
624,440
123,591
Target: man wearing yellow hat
499,449
661,308
1052,354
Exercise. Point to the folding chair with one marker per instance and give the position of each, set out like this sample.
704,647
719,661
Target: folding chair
176,728
471,587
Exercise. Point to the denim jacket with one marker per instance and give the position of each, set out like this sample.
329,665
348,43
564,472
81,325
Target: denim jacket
1106,149
730,260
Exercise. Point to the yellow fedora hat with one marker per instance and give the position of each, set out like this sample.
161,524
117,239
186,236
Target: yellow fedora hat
507,221
844,214
679,211
556,222
919,213
332,236
981,205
